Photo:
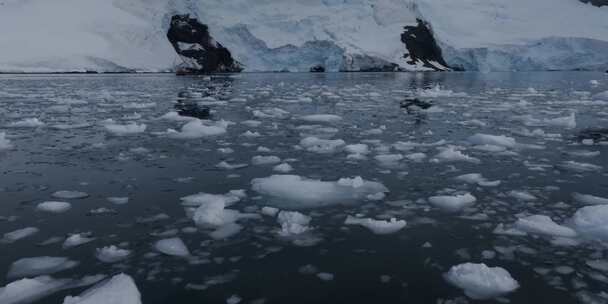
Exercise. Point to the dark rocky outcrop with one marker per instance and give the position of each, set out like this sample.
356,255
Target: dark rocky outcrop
199,51
422,47
597,3
317,69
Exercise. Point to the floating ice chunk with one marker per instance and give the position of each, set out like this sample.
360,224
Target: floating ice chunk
437,91
522,195
325,276
54,207
601,96
568,122
213,214
323,146
26,123
388,159
19,234
494,140
174,116
228,166
321,118
173,246
136,105
501,230
29,267
296,192
252,123
283,168
450,154
225,231
120,289
542,224
579,167
481,282
453,203
408,145
265,160
111,254
601,265
377,226
293,223
67,194
251,134
234,299
590,199
5,143
477,178
271,113
270,211
118,200
357,149
123,130
198,199
417,157
30,290
592,221
197,129
77,240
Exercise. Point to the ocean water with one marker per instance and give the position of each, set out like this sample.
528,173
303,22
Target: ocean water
548,149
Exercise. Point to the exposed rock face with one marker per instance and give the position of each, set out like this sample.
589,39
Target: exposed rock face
422,47
596,2
200,52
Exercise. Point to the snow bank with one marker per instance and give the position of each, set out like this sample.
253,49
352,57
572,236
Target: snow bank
453,203
296,192
481,282
120,289
377,226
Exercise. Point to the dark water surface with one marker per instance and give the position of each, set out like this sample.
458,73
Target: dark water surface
72,149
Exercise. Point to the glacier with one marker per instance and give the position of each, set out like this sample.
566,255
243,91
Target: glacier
293,35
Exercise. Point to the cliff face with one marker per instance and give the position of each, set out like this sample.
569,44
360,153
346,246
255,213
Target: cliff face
300,36
200,52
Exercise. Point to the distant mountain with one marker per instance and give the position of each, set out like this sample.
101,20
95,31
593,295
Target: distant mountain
296,35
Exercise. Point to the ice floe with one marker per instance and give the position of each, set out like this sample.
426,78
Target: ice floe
321,118
592,221
26,123
481,282
5,143
453,203
69,194
54,207
120,289
77,239
111,254
590,199
260,160
477,178
172,246
377,226
199,129
29,290
19,234
322,146
124,130
451,154
542,224
293,223
493,140
283,168
296,192
35,266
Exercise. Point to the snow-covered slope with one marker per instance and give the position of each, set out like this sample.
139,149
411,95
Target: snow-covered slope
273,35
